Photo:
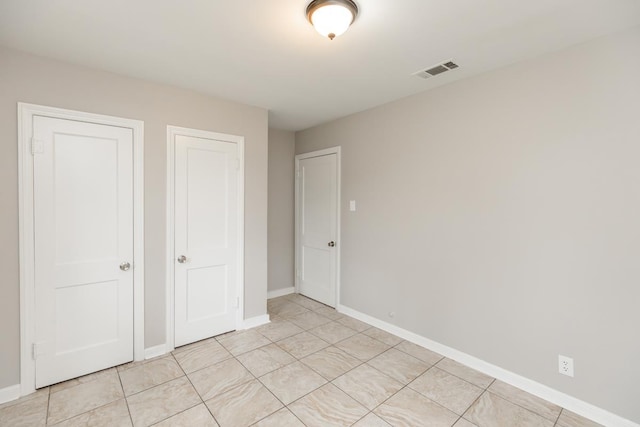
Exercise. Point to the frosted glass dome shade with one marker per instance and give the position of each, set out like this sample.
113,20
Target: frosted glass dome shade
331,18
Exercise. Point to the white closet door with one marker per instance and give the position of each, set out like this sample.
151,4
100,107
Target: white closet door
83,217
206,238
318,217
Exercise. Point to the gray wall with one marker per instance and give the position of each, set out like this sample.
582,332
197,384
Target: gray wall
37,80
500,216
281,209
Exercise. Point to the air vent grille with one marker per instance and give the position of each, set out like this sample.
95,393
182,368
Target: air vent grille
437,70
443,67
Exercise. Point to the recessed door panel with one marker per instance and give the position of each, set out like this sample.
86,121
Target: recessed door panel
207,210
207,293
86,202
97,305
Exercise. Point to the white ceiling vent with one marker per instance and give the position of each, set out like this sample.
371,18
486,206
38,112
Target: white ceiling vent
436,69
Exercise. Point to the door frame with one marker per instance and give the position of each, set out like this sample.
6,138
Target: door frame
172,132
338,152
26,114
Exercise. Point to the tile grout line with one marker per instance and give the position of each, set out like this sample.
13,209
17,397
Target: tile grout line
278,399
177,413
89,410
255,377
296,360
346,372
46,419
407,386
364,416
486,390
124,396
170,355
154,385
522,407
361,362
264,385
422,394
558,419
386,400
202,402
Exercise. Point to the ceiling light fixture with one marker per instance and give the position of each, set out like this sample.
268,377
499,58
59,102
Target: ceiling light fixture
331,17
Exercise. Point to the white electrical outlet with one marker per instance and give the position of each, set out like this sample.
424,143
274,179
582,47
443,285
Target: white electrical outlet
565,365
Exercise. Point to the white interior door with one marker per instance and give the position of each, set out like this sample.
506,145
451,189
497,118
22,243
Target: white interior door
83,222
206,237
317,201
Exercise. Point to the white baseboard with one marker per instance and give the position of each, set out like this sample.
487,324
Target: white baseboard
280,292
542,391
10,393
158,350
255,321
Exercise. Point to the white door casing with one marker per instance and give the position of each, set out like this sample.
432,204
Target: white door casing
80,220
204,253
318,225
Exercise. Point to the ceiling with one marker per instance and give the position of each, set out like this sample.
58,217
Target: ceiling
265,53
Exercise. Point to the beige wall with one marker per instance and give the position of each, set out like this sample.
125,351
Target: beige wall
281,209
500,216
36,80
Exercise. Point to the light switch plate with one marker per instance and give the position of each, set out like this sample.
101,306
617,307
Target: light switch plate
352,205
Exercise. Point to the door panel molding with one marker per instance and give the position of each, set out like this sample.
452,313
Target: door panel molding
26,114
298,233
172,132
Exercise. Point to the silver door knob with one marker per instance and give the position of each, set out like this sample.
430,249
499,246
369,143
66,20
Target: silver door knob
182,259
125,266
332,244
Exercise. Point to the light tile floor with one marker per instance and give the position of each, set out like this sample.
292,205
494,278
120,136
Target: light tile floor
310,366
